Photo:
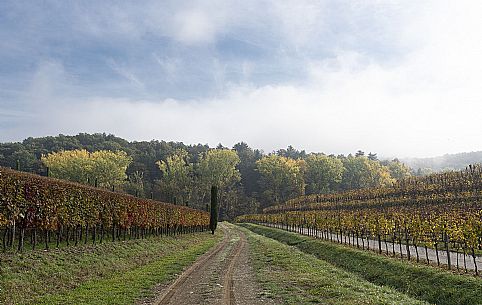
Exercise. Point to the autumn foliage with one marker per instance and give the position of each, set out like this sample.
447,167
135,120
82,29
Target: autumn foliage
29,201
443,208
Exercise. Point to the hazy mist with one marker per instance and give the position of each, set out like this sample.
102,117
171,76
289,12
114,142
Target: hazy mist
398,78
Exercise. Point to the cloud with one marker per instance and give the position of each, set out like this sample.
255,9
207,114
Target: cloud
125,73
358,110
194,26
47,82
394,78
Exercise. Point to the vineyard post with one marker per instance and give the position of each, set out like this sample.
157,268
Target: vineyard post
357,242
393,242
386,243
447,249
465,254
407,244
426,255
475,262
416,249
457,258
12,235
379,243
436,252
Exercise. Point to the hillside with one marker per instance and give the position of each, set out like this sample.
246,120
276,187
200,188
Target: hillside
445,162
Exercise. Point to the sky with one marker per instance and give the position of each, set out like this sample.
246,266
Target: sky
400,78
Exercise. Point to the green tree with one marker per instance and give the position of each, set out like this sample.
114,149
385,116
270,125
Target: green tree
398,170
107,167
323,173
177,176
361,172
218,167
282,178
247,168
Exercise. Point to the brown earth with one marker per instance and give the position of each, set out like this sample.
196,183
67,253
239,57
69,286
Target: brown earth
223,275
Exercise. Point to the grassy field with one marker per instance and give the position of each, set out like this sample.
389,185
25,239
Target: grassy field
420,282
110,273
299,278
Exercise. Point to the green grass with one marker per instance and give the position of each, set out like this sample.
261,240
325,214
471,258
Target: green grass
300,278
110,273
421,282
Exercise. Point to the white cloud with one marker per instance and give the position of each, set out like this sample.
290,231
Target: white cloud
194,26
125,73
47,82
417,94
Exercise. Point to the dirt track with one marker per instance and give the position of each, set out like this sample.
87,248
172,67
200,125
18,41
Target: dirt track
221,276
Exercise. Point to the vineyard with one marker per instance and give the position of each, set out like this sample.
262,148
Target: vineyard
439,211
43,210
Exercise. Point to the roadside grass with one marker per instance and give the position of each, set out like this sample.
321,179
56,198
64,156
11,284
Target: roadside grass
300,278
109,273
425,283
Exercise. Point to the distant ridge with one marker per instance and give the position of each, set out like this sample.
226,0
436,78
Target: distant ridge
445,162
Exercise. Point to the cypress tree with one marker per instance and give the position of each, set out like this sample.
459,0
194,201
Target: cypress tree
213,221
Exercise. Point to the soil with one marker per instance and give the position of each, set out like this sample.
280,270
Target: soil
222,276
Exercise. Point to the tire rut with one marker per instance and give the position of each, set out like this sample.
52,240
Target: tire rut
165,297
191,287
228,293
222,276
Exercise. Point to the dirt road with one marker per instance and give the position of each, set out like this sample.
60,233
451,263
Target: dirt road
221,276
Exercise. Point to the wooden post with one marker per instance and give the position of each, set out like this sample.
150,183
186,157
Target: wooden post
475,262
447,249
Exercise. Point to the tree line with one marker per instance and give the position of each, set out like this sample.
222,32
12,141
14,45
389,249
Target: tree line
247,179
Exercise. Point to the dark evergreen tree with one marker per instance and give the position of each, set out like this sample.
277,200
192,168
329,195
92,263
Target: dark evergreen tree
213,221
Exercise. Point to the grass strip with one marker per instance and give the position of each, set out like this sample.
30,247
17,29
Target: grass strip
300,278
421,282
87,274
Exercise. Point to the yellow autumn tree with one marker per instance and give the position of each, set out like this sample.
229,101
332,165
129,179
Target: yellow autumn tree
107,167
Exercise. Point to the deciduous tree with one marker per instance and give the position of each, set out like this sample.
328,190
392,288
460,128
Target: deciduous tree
323,173
107,167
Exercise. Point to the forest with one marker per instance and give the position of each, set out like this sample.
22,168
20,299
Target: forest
248,178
